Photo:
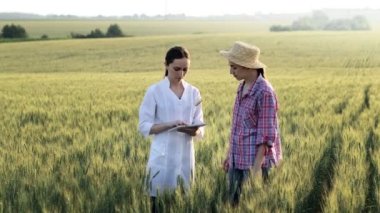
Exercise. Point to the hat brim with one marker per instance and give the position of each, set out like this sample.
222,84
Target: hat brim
254,65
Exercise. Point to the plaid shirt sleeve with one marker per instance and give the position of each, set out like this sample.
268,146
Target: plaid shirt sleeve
266,124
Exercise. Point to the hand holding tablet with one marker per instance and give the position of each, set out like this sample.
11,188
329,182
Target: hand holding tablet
182,128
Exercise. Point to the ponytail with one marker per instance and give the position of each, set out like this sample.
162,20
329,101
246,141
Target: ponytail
261,72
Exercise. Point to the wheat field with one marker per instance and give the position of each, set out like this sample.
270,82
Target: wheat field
69,114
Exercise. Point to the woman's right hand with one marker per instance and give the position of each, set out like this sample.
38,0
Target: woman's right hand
175,123
162,127
226,165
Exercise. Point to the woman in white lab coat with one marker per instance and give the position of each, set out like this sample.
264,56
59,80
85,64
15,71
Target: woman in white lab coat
169,103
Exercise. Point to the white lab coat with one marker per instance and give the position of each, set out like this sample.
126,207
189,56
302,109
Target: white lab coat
172,153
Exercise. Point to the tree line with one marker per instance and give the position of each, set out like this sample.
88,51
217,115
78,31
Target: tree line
320,21
13,31
113,31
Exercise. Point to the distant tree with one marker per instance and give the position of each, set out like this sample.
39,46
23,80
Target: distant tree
304,23
114,31
339,24
360,23
279,28
13,31
356,23
319,19
77,35
97,33
44,37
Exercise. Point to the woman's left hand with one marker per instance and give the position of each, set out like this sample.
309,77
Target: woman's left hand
189,130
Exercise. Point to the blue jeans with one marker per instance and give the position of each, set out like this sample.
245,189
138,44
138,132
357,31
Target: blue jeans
236,179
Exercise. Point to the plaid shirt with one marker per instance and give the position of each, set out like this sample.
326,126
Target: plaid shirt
254,122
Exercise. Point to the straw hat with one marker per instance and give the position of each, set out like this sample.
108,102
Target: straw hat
244,55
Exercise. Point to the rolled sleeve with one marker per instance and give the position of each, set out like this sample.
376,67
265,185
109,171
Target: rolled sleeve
267,119
147,113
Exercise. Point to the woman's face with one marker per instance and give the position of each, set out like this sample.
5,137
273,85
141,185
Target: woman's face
178,68
239,72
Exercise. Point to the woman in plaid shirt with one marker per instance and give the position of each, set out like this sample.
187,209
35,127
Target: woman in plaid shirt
255,139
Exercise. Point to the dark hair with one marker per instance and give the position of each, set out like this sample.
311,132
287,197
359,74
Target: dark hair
176,52
261,72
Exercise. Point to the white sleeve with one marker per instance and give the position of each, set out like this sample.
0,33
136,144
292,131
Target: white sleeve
198,115
147,112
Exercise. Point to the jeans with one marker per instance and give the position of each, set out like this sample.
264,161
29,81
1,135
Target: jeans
236,178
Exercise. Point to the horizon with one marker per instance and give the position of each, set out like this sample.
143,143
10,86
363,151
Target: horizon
195,8
180,14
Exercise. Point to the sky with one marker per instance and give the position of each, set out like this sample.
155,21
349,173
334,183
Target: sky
188,7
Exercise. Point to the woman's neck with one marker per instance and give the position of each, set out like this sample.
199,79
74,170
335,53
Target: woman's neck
250,80
175,82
